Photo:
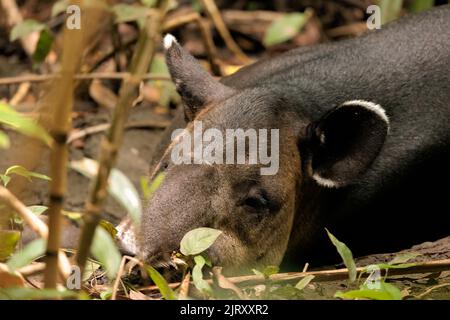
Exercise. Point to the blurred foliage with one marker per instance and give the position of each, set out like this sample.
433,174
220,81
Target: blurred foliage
284,28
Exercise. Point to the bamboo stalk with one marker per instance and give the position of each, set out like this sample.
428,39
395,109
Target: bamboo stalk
62,101
142,58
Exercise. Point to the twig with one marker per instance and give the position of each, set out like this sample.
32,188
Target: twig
211,49
118,277
36,224
87,76
214,14
142,58
31,269
79,134
184,287
420,296
20,94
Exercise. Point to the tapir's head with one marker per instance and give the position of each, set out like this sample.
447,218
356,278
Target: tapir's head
253,201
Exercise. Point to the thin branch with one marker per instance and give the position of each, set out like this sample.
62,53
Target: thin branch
420,296
79,134
118,277
214,14
36,224
211,50
87,76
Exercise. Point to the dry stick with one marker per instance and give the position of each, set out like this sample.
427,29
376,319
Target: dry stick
62,101
88,76
184,287
327,275
420,296
118,278
21,93
205,31
214,14
142,58
75,135
32,269
36,224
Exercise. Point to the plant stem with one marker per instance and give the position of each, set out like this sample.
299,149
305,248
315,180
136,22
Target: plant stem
140,64
61,99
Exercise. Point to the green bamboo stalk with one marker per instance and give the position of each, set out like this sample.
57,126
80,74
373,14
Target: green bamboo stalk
140,64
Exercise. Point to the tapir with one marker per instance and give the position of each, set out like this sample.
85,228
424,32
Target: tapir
364,151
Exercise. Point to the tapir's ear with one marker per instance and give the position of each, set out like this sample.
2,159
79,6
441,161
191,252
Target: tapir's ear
344,142
196,87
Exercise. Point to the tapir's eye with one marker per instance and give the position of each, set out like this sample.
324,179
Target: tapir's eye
256,201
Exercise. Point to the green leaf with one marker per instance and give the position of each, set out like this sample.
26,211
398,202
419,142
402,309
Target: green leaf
166,89
43,46
270,270
119,187
23,172
386,291
404,257
421,5
304,282
104,249
390,9
28,254
39,294
5,179
11,118
24,28
4,141
74,216
149,3
8,243
156,183
345,254
109,227
286,292
258,273
197,275
161,283
60,7
127,13
198,240
106,295
37,210
285,28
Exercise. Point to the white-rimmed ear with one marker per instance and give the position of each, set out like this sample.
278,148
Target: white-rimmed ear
196,87
342,145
